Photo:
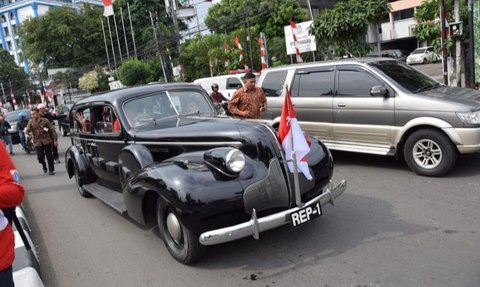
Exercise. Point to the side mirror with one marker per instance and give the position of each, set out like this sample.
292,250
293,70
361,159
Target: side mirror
379,91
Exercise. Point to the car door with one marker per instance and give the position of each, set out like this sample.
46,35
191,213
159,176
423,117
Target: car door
107,143
359,117
272,86
312,95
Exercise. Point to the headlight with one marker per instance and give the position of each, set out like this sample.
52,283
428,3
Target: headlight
235,160
229,161
472,118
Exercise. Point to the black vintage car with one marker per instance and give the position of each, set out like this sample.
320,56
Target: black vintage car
163,155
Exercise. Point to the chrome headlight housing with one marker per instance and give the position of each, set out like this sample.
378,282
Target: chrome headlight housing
229,161
471,118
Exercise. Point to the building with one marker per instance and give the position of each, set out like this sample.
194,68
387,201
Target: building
14,12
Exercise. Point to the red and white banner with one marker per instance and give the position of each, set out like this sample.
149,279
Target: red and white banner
263,50
42,96
225,48
108,8
241,59
293,26
292,138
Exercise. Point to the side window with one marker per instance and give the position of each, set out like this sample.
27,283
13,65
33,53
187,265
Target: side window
273,83
234,83
105,120
83,120
356,83
313,84
429,50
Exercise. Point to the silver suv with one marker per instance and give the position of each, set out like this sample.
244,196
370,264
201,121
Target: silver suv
379,106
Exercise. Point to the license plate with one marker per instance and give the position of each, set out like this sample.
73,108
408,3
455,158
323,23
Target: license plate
305,214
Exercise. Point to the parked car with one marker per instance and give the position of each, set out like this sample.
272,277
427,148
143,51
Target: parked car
202,178
12,119
396,54
423,55
62,116
379,106
227,84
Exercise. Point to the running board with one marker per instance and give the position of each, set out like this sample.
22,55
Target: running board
361,149
109,197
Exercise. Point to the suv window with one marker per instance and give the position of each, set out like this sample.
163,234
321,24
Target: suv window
233,83
356,83
313,84
273,83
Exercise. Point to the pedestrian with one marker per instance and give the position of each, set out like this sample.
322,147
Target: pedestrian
44,113
5,135
249,101
44,137
11,195
216,96
21,125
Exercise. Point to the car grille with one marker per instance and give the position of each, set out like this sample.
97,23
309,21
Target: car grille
270,192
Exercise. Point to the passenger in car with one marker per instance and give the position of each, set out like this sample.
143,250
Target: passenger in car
85,125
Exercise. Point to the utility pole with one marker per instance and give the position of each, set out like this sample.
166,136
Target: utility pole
158,48
458,49
471,53
443,40
249,38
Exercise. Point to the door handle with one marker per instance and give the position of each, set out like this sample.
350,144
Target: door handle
341,105
93,144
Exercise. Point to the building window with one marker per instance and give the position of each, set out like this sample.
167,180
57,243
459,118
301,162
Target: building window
5,32
403,14
4,19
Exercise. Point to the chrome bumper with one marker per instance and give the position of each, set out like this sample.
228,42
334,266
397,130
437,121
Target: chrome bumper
257,225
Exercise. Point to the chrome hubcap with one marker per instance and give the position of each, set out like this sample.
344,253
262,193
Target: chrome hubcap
174,228
427,154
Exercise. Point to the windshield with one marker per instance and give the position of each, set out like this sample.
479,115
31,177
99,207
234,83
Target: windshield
418,51
405,76
150,109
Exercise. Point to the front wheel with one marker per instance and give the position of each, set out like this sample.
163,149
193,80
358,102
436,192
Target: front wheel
80,189
181,243
430,153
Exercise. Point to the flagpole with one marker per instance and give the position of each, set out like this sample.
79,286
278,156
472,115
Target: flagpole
296,180
111,43
124,34
118,38
105,42
131,29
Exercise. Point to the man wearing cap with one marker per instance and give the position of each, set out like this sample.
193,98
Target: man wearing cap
44,137
249,101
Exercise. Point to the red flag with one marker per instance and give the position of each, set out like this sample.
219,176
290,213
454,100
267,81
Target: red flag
108,8
263,50
239,46
292,138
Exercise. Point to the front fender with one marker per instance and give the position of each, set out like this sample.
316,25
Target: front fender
75,160
428,121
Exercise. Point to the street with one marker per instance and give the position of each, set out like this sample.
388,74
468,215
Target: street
390,228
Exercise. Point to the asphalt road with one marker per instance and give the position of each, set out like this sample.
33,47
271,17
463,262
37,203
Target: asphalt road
391,228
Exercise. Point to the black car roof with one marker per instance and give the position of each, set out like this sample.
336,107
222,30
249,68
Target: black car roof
121,95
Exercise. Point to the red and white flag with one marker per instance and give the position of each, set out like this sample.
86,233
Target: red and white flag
293,25
263,50
108,8
292,138
241,59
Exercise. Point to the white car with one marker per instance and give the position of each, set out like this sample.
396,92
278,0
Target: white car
422,56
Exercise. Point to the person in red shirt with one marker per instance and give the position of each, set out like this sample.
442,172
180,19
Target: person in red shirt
11,195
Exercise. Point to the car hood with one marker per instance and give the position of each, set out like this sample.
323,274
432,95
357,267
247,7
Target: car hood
194,129
461,96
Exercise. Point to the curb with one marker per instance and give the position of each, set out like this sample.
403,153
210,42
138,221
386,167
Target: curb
26,268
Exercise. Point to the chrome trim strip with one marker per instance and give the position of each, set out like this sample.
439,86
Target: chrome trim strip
98,141
255,225
187,143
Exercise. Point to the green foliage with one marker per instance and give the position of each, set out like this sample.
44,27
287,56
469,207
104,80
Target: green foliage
155,70
102,79
11,75
88,82
134,72
64,38
265,15
428,26
339,30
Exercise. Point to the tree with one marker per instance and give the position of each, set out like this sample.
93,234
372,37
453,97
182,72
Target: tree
339,30
11,76
133,72
64,38
265,15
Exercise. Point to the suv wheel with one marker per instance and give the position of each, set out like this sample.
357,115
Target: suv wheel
430,153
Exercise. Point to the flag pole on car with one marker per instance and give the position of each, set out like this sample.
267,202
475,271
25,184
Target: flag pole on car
294,144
